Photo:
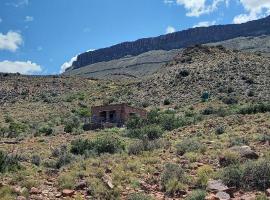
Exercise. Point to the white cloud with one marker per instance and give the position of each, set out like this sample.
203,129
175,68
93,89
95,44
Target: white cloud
205,24
11,41
18,3
68,64
22,67
196,8
255,9
169,2
170,29
29,19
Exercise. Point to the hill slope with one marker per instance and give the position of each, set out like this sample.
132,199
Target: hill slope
225,74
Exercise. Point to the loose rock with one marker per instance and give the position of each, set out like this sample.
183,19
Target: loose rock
216,185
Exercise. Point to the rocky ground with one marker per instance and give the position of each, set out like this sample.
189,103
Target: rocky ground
214,142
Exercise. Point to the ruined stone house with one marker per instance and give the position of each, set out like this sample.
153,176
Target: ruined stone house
116,114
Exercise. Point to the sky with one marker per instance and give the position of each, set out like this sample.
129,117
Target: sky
44,36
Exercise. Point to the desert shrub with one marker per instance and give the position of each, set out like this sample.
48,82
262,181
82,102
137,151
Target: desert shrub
135,122
136,148
139,196
197,195
66,181
204,174
220,130
16,128
46,130
8,162
173,178
36,160
261,197
256,174
230,100
102,144
135,133
153,116
208,111
253,109
237,141
205,96
98,190
79,146
189,145
145,104
83,112
170,122
166,102
232,175
152,132
71,124
229,158
183,73
251,175
265,137
63,157
108,144
7,193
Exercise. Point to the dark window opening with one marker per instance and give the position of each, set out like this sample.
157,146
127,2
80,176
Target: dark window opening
112,116
102,116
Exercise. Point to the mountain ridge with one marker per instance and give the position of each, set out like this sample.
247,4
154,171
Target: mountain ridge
175,40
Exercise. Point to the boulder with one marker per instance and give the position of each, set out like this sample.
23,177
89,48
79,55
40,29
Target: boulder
223,196
20,198
68,193
245,152
34,190
268,192
107,180
216,185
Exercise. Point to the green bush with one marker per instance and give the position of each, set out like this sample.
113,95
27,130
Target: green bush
135,122
102,144
166,102
152,132
229,158
251,175
189,145
139,196
204,174
173,179
83,112
197,195
16,128
71,124
253,109
8,162
205,96
220,130
232,175
136,148
36,160
256,175
46,130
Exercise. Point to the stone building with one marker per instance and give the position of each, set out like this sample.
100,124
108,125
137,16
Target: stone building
115,114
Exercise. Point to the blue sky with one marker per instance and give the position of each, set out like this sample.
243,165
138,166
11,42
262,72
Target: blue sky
39,36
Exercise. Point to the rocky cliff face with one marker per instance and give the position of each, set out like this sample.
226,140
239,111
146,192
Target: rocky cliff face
175,41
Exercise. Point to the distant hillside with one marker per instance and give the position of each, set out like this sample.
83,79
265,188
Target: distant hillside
227,75
175,40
